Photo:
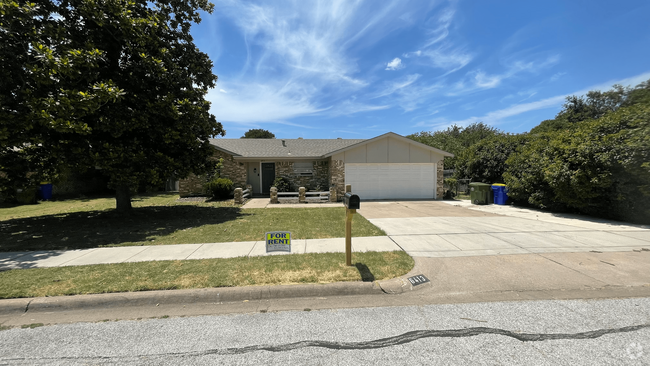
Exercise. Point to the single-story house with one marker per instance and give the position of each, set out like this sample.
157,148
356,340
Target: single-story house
389,166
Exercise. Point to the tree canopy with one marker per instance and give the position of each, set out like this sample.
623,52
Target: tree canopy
258,134
455,139
115,85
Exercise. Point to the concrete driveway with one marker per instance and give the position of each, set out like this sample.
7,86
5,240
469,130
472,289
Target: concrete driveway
457,228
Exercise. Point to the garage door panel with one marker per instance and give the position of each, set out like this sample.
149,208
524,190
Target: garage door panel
386,181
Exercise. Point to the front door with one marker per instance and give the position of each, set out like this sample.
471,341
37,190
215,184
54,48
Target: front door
254,175
268,176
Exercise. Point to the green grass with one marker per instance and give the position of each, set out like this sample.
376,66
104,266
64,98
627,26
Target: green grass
164,275
161,219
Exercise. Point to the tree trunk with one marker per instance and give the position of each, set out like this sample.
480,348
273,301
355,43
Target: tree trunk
123,199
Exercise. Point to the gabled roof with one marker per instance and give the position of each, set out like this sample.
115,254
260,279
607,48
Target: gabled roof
281,148
301,148
393,135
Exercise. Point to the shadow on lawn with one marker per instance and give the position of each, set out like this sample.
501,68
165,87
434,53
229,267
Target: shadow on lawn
364,271
92,229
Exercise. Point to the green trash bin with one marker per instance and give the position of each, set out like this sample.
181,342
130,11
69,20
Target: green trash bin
480,193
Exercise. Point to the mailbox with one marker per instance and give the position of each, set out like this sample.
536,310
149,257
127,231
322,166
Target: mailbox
351,201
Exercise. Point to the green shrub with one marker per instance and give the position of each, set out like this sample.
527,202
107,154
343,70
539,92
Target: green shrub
282,184
219,188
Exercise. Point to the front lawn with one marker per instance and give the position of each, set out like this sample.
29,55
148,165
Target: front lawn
206,273
162,219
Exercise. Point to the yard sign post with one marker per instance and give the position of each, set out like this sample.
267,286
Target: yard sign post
351,202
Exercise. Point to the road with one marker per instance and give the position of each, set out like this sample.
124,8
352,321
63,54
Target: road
558,332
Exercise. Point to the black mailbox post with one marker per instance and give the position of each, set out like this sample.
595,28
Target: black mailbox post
351,201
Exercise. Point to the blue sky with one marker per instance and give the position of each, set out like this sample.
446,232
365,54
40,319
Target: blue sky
358,69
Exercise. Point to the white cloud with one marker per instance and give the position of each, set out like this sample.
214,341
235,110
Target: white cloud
495,116
351,107
477,80
441,52
396,64
395,86
299,55
557,75
254,103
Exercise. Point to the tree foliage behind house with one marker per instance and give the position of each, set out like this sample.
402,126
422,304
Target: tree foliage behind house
258,134
455,139
115,85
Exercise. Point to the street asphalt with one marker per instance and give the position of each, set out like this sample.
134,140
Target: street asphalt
569,332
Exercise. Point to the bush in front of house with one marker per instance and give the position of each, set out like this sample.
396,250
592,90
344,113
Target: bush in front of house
282,184
219,188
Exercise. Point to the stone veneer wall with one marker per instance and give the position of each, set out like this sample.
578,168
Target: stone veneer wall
337,176
440,190
319,180
233,170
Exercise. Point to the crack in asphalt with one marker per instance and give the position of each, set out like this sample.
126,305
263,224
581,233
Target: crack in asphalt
404,338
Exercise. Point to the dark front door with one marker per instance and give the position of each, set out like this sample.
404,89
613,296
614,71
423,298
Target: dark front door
268,176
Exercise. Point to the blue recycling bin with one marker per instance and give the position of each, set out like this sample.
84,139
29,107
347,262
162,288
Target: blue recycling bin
500,195
46,191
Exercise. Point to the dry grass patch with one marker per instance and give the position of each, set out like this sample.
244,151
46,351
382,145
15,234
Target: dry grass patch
206,273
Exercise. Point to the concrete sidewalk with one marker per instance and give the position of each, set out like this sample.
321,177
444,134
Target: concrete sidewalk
80,257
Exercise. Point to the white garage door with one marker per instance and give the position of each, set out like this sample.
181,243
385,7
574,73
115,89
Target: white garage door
391,181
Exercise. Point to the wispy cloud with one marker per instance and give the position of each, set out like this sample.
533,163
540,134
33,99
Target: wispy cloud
396,85
437,49
251,103
495,117
477,80
348,107
299,55
396,64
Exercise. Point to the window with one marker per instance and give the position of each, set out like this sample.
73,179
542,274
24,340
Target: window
303,168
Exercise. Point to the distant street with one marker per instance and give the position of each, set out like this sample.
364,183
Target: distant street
567,332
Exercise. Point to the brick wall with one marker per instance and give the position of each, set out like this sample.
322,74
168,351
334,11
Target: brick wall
233,170
337,176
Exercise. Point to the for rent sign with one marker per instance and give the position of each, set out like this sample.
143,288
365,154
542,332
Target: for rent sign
278,241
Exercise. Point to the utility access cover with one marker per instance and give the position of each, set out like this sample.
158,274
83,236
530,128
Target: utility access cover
418,280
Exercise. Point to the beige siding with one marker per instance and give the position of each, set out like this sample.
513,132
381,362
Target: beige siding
398,151
435,157
419,155
389,150
377,152
357,155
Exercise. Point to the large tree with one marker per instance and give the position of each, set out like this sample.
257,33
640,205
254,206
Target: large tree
116,85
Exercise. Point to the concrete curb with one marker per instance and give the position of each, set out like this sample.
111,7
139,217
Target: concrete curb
400,285
192,296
